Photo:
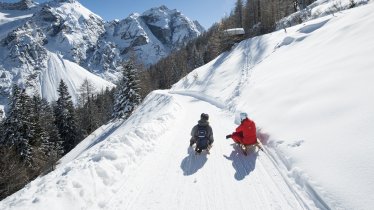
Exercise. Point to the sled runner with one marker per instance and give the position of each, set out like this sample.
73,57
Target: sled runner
199,151
246,148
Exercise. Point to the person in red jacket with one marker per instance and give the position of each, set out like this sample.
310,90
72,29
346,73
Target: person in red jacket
245,134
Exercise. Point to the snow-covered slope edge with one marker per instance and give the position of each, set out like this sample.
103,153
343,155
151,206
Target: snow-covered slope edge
310,92
93,171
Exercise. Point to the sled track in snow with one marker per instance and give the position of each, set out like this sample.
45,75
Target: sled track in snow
312,196
310,191
175,177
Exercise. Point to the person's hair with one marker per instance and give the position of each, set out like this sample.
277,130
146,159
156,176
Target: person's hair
204,116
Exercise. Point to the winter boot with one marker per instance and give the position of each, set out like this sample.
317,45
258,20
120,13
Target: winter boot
198,151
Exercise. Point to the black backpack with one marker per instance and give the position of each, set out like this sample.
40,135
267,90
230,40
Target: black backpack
202,137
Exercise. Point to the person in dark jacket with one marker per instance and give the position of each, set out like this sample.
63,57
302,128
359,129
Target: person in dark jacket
245,134
202,134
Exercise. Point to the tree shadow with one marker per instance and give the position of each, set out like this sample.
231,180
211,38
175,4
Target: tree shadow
242,164
192,163
106,133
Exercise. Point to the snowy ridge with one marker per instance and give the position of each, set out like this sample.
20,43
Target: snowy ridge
71,27
9,20
201,97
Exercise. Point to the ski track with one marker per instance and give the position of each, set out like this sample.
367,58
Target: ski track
173,177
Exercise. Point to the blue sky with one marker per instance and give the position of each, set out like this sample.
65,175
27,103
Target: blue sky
206,12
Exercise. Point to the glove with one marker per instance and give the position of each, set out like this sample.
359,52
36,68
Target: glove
228,136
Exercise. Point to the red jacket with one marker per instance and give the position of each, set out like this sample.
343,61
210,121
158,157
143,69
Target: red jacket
245,133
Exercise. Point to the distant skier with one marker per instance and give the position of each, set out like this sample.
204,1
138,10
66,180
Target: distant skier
202,134
245,134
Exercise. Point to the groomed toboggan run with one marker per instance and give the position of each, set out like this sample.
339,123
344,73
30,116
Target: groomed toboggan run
308,90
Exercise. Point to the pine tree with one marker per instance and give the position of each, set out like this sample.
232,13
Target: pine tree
86,91
196,58
238,14
18,126
11,125
248,16
88,111
1,115
104,103
13,173
1,131
65,119
127,95
24,147
53,148
40,139
47,141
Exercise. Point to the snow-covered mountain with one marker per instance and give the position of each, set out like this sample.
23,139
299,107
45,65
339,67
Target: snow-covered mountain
32,35
21,5
149,36
309,90
45,43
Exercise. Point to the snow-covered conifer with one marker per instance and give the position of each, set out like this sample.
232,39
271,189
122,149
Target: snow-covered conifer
18,129
65,119
127,95
47,139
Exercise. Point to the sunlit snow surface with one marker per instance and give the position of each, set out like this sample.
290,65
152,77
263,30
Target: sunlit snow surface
308,90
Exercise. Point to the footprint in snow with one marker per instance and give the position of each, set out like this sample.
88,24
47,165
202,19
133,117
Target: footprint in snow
296,143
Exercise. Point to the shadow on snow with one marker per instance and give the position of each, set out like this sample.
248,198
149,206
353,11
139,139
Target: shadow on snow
192,163
243,165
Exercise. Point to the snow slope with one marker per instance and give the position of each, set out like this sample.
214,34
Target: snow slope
9,20
56,69
309,91
72,74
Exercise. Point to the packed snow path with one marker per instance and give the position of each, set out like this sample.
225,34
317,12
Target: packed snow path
173,177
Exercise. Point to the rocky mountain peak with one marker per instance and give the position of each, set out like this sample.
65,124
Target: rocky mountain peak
163,7
21,5
66,1
61,31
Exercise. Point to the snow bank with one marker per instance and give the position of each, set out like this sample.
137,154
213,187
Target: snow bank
91,174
